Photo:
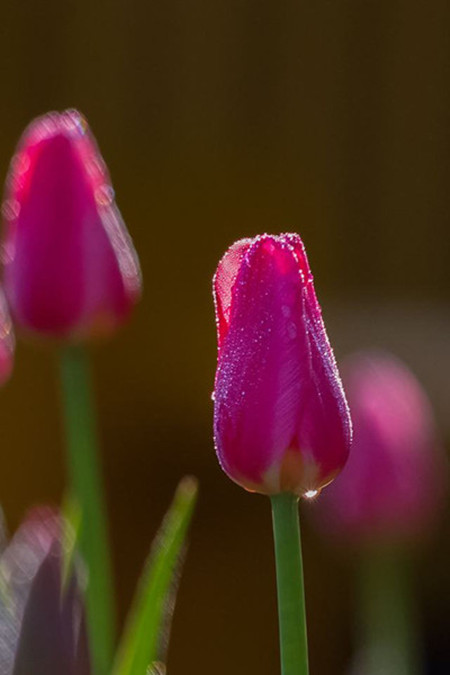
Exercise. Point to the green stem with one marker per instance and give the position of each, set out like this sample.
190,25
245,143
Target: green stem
390,643
291,594
86,485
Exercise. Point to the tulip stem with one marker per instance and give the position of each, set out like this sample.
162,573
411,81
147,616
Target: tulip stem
87,488
390,636
291,594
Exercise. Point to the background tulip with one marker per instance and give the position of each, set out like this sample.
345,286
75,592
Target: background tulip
281,420
393,485
70,268
42,627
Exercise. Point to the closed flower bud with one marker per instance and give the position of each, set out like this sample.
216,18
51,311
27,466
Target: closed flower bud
70,267
281,420
42,622
393,485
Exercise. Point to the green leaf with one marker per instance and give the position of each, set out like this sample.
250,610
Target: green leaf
71,524
138,648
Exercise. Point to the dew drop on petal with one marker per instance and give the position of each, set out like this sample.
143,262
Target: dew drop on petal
20,162
292,330
10,209
104,195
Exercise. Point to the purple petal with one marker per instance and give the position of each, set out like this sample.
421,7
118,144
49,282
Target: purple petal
43,648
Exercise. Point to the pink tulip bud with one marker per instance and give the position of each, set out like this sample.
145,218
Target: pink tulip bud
70,267
281,420
393,484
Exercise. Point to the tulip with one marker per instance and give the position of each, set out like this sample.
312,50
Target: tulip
42,628
281,420
392,487
70,269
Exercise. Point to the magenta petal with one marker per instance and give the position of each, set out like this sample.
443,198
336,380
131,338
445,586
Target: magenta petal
70,267
325,427
256,377
223,283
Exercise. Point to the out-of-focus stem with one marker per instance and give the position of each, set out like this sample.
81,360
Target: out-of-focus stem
388,615
291,595
87,487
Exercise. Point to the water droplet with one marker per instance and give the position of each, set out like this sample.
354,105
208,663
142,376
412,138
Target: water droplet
292,330
21,162
10,209
310,494
104,195
74,121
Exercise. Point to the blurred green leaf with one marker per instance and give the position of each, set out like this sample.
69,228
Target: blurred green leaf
71,524
138,648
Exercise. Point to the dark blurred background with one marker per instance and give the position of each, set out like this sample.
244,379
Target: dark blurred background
220,120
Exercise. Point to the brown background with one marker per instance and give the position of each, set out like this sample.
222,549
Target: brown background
221,119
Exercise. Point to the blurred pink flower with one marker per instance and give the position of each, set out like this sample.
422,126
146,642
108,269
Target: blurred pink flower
70,267
42,623
281,420
393,485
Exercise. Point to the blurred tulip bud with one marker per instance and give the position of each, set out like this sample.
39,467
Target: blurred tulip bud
281,420
7,342
70,267
42,626
393,485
